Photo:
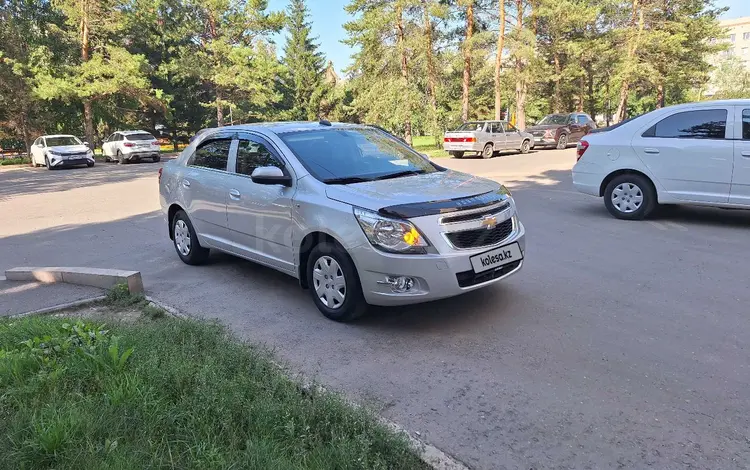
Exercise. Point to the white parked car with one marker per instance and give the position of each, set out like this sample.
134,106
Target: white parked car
696,153
57,151
131,146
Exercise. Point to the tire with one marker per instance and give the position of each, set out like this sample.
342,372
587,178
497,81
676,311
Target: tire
107,159
457,154
120,159
47,164
157,158
562,142
186,241
630,197
525,146
487,151
90,165
329,259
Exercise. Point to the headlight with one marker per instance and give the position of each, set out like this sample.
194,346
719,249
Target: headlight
89,153
395,236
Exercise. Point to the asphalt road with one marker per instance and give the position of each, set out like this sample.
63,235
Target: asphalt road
620,344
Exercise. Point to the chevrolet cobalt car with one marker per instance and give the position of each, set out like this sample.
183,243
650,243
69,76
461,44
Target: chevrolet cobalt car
353,213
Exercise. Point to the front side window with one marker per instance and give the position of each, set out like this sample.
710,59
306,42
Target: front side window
582,119
496,128
352,155
213,154
701,124
252,155
510,127
554,119
38,141
746,124
63,140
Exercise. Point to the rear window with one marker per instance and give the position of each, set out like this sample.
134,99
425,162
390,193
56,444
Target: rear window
354,153
143,136
470,127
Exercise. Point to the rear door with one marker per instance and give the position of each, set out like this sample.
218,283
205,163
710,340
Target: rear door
576,128
740,190
498,136
690,153
260,215
203,185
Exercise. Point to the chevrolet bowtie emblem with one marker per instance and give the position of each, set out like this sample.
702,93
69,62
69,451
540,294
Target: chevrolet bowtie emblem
489,221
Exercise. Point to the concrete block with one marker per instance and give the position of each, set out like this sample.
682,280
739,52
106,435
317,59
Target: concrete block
95,277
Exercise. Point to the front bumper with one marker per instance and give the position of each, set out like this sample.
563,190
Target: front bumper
438,276
59,162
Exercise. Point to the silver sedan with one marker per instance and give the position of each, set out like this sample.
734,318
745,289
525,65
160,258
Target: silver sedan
486,138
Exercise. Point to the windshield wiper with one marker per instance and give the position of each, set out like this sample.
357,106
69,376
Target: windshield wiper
347,180
400,174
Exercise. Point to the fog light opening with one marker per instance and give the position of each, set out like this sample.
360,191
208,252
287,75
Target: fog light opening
400,284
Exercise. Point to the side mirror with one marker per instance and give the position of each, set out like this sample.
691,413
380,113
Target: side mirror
426,157
270,175
86,144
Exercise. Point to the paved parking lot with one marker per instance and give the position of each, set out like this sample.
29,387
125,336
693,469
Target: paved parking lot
620,344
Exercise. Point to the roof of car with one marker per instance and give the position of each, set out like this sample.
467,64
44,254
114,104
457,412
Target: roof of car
58,135
290,126
133,132
736,102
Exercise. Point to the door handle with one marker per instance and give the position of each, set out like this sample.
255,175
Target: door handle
234,194
186,183
745,153
651,150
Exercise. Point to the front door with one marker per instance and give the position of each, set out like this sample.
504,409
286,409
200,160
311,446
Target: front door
689,154
512,136
498,136
107,146
37,151
203,186
259,215
740,192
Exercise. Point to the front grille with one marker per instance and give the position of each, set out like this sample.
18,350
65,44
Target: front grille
475,215
470,278
481,237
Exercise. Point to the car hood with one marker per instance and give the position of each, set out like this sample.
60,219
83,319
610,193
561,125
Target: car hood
68,148
544,127
411,196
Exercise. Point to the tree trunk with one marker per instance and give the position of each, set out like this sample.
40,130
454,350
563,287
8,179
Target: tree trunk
467,60
520,80
431,73
581,91
636,26
557,92
404,70
219,110
499,61
591,98
660,95
88,115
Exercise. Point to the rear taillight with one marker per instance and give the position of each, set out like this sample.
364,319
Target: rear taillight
581,149
160,170
128,144
459,139
155,143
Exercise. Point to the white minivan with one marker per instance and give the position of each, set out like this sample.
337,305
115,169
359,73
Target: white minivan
697,153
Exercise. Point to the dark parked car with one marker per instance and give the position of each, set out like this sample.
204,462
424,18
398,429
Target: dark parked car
559,130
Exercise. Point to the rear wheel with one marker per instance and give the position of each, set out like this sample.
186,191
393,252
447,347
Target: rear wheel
157,158
562,141
334,283
487,151
525,146
630,197
120,159
457,154
186,241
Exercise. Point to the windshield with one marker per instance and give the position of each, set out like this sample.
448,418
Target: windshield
554,119
63,140
353,155
143,136
470,127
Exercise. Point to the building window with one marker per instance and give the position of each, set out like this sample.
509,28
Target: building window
745,36
732,37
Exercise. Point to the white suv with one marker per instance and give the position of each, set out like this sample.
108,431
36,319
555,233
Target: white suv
131,146
696,153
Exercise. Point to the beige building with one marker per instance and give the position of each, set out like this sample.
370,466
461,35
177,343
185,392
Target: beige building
738,35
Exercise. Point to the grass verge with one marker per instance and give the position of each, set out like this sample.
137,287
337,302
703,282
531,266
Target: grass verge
15,161
426,144
161,392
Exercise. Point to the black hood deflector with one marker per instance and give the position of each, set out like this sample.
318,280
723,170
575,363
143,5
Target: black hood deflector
420,209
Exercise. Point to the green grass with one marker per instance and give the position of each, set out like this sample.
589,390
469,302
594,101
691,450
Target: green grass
169,393
426,144
15,161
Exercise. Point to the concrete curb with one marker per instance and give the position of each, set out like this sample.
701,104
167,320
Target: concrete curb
58,307
95,277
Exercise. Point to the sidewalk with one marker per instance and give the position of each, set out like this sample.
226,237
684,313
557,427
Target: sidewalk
23,297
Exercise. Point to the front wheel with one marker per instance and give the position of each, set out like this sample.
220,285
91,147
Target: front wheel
487,151
186,241
630,197
334,283
525,146
90,164
47,163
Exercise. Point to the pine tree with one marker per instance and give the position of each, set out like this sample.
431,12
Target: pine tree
303,61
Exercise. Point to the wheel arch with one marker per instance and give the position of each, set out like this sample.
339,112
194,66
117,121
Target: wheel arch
308,242
171,212
617,173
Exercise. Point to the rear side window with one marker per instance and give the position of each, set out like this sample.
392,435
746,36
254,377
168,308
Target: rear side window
701,124
213,154
746,124
143,136
252,155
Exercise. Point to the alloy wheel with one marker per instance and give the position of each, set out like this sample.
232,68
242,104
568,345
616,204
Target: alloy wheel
329,282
